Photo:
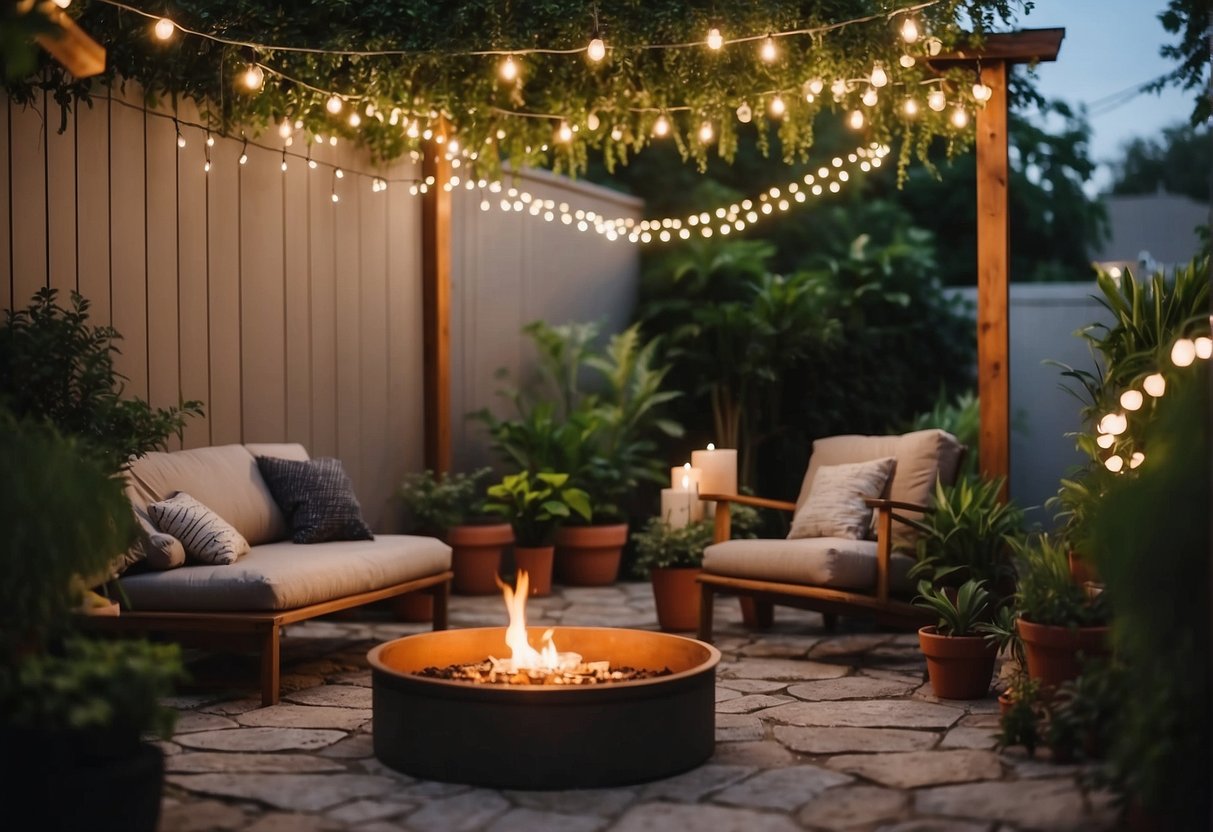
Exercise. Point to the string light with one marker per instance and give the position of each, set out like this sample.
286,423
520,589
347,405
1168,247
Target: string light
1114,464
907,61
879,77
1131,400
244,154
596,51
777,107
564,133
63,4
839,89
768,52
355,119
334,104
339,173
1204,347
1136,459
1155,385
982,93
284,129
164,28
856,120
936,100
960,117
909,30
816,85
333,189
592,122
706,133
180,138
284,160
210,140
744,113
1183,352
508,69
910,107
869,97
661,127
1105,440
253,77
715,39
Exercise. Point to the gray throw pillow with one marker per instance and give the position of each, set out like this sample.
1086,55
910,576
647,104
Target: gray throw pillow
206,536
835,507
316,497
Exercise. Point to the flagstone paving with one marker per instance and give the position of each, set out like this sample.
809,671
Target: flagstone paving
814,731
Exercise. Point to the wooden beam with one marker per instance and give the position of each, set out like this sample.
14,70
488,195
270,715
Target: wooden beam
436,309
71,45
1022,47
993,277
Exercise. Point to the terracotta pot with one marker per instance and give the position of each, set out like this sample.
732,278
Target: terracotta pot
1005,703
1081,570
677,595
415,607
537,561
476,556
1054,654
589,555
960,667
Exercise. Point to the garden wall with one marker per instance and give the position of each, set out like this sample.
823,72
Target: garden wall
292,317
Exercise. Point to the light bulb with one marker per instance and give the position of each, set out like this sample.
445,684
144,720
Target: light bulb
934,46
1105,440
879,77
596,51
909,30
1114,464
509,69
334,104
210,140
1131,400
1136,459
253,77
616,134
856,120
744,113
906,61
592,122
705,132
777,107
355,119
394,119
244,159
1204,347
284,129
715,39
982,93
1183,353
206,166
1114,423
339,173
63,4
869,97
839,89
662,126
336,198
910,107
816,85
564,133
312,164
1155,385
180,140
283,166
960,117
936,100
164,28
768,52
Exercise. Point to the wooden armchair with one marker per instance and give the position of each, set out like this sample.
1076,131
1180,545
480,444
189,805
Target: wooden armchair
835,576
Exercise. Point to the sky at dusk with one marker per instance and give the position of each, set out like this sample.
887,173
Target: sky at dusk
1110,46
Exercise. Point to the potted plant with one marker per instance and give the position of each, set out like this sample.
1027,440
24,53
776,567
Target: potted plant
595,413
534,507
72,710
1002,633
966,536
447,506
672,559
1059,622
960,660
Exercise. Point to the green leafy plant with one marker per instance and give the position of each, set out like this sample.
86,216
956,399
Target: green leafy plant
56,366
1047,594
1021,725
436,502
536,506
961,617
965,535
1001,631
660,545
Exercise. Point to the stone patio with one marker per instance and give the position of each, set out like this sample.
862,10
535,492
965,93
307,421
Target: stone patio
815,730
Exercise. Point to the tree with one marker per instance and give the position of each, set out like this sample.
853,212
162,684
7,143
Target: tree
1147,164
1191,20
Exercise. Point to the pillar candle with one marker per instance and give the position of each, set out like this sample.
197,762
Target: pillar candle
680,471
676,506
718,470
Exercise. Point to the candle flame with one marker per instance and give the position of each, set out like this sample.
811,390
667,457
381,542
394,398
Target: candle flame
711,446
686,466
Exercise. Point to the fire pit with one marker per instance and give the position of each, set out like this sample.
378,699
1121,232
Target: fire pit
531,731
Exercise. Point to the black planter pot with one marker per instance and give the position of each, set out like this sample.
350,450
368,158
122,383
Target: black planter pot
72,780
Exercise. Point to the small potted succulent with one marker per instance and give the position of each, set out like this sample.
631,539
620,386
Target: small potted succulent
1060,622
535,506
448,506
960,660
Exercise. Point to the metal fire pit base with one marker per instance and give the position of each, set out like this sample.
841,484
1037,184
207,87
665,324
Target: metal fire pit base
537,737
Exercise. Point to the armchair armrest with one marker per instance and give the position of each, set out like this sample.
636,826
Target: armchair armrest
881,503
723,528
884,537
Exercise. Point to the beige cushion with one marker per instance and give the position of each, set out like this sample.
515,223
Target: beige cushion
206,536
813,561
836,507
282,576
921,456
278,450
224,478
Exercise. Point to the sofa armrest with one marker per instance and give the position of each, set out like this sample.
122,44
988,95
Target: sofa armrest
723,528
885,516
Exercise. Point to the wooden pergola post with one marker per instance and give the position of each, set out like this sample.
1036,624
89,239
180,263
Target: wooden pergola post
436,309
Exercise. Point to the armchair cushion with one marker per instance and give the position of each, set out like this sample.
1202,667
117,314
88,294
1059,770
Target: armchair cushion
833,562
835,507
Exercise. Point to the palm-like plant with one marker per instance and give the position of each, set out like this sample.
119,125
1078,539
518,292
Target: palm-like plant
962,617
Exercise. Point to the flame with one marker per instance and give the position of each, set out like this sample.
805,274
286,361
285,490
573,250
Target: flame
523,655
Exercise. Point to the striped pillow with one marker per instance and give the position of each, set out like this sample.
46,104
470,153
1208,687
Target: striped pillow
835,507
207,537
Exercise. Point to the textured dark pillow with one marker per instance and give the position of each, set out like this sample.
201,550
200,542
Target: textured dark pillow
317,499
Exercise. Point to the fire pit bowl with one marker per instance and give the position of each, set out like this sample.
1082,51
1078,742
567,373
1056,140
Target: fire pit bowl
543,736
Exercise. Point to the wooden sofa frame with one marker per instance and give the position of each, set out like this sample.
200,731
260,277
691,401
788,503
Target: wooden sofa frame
261,631
826,600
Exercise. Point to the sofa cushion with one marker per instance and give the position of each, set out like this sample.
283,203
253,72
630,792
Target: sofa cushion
279,450
922,457
224,478
813,561
283,576
317,498
836,506
206,536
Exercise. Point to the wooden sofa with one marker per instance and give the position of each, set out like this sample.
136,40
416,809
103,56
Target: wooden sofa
246,604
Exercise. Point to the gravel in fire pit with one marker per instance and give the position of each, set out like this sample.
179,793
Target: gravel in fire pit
488,672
